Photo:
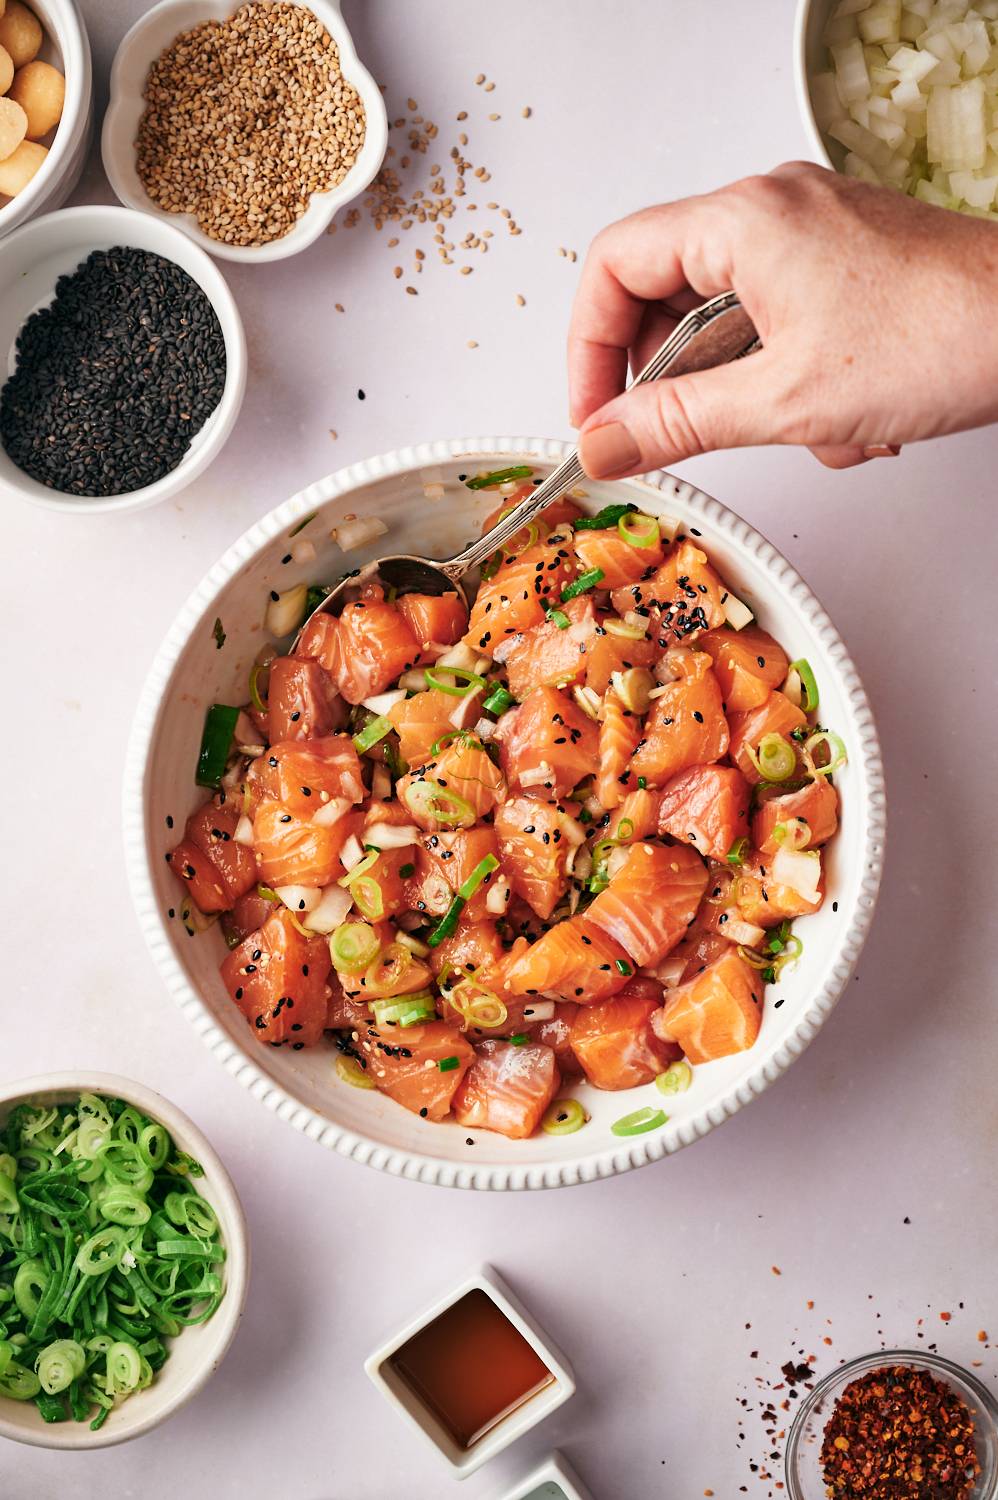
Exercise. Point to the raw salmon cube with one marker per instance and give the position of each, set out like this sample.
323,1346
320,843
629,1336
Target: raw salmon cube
507,1088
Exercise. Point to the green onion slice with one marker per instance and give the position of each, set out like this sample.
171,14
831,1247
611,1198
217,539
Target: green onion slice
581,585
406,1010
500,476
808,684
563,1117
305,520
368,898
558,617
254,686
462,680
447,809
372,733
498,701
480,873
604,519
736,854
639,530
360,868
640,1121
775,759
448,922
448,1064
353,947
349,1070
216,742
834,748
676,1079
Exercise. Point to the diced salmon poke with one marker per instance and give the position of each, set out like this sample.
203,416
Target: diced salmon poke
495,854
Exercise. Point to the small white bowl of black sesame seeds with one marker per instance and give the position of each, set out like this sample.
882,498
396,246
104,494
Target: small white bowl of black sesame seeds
122,361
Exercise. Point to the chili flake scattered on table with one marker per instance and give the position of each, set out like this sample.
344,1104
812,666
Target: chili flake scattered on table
899,1434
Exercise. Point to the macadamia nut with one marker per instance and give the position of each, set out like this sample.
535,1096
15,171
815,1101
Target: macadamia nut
20,33
40,90
13,127
6,68
17,171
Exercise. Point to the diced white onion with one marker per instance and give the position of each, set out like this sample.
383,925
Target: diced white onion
381,783
391,835
298,898
357,532
302,551
243,833
579,863
286,612
537,775
636,621
498,897
460,655
382,703
800,870
737,614
629,632
352,852
793,687
467,708
917,86
331,812
737,931
588,700
539,1010
485,729
616,860
331,910
413,681
246,736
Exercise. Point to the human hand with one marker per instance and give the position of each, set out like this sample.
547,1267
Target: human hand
876,314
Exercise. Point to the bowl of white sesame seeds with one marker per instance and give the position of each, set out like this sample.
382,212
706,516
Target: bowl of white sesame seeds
248,126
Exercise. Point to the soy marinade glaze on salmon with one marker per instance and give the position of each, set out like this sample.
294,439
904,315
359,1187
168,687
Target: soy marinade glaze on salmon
563,836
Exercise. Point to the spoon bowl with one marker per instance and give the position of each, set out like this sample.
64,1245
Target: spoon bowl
711,335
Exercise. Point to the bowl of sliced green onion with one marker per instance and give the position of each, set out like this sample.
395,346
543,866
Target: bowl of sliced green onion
124,1260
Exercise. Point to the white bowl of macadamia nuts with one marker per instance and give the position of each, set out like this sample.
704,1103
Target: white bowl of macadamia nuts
45,106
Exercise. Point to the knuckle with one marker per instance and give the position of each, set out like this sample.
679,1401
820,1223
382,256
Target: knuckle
679,421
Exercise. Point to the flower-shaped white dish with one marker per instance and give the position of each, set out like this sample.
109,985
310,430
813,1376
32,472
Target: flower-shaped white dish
140,48
67,47
517,1423
418,493
31,262
197,1352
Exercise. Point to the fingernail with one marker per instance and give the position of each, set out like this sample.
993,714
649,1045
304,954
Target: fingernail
882,450
609,451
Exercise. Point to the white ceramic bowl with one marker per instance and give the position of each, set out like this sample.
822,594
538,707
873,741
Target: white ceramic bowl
66,46
31,261
144,43
554,1480
197,1353
810,57
190,673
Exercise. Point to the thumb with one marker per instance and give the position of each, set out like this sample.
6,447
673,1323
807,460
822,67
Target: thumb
667,420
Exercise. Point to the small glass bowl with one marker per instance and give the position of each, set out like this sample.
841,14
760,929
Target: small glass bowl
802,1459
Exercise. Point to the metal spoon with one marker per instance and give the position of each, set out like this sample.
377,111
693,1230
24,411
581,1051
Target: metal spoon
711,335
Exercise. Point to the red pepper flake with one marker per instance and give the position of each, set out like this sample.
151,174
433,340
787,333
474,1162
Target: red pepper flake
776,1271
982,1337
945,1317
899,1434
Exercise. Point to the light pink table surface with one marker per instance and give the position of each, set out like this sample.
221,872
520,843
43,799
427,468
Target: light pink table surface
648,1281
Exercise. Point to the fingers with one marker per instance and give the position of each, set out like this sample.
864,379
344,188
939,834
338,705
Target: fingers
669,420
650,257
847,456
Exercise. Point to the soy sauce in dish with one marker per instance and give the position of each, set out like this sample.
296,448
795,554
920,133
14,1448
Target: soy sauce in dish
471,1367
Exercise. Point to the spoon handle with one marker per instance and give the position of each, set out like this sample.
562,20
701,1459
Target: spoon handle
714,334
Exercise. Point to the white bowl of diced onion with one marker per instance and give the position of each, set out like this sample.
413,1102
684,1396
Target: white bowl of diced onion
904,93
415,501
